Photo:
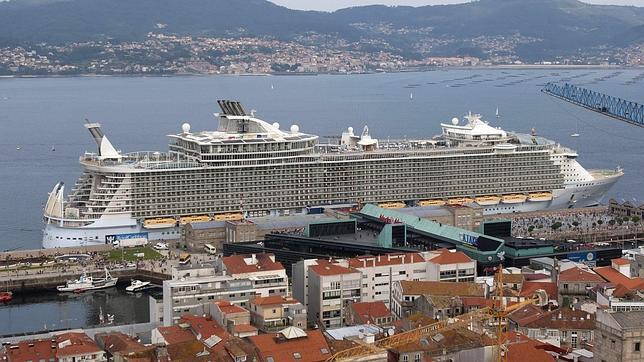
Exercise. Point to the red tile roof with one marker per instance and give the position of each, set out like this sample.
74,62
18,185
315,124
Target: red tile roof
176,334
562,319
447,257
205,328
579,275
526,314
30,351
119,342
331,269
476,302
273,300
228,308
386,259
79,344
616,277
242,264
311,348
529,288
368,312
523,349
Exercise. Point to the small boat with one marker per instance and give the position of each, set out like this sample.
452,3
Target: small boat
432,203
159,223
540,196
6,297
392,205
87,282
574,135
487,200
18,148
497,113
460,201
514,199
194,219
53,148
137,285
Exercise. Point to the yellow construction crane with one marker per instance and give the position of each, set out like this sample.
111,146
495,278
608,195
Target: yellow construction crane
461,321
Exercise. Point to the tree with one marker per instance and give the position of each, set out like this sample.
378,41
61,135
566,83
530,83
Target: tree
575,223
635,219
530,228
555,225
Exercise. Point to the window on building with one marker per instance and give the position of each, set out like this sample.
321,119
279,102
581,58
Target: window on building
637,346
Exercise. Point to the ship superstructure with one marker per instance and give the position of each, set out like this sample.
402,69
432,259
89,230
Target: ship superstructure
252,168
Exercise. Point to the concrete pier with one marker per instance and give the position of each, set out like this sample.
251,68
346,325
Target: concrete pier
34,282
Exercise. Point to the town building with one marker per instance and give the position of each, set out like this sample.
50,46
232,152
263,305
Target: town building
193,288
122,348
230,316
75,346
565,327
379,273
330,289
36,350
274,313
375,313
619,336
291,344
261,269
407,291
573,284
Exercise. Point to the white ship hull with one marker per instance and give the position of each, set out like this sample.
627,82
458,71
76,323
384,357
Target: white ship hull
573,196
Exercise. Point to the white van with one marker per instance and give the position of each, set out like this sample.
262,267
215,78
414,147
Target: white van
210,249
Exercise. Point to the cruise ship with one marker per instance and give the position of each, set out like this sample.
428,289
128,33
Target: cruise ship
251,168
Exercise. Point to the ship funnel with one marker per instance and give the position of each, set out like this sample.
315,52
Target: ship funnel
105,148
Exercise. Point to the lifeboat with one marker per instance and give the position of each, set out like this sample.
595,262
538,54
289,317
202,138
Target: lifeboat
159,223
514,199
431,203
231,216
392,205
460,201
540,196
487,200
194,219
6,297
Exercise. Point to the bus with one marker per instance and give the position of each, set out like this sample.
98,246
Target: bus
184,259
210,249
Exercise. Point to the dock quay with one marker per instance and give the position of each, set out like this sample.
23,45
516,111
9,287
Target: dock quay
33,270
34,282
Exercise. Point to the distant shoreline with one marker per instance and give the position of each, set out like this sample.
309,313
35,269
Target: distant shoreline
493,67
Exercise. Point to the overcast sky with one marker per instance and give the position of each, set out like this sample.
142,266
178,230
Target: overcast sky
329,5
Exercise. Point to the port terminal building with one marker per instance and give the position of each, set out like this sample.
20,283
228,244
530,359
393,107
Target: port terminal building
374,230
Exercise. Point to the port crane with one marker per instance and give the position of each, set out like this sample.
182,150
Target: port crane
466,320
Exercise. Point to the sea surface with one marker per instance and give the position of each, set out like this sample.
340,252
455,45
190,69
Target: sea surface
44,118
45,311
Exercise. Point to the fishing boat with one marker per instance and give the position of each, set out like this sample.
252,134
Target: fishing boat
87,282
136,285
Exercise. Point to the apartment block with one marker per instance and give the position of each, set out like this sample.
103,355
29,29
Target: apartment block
331,288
